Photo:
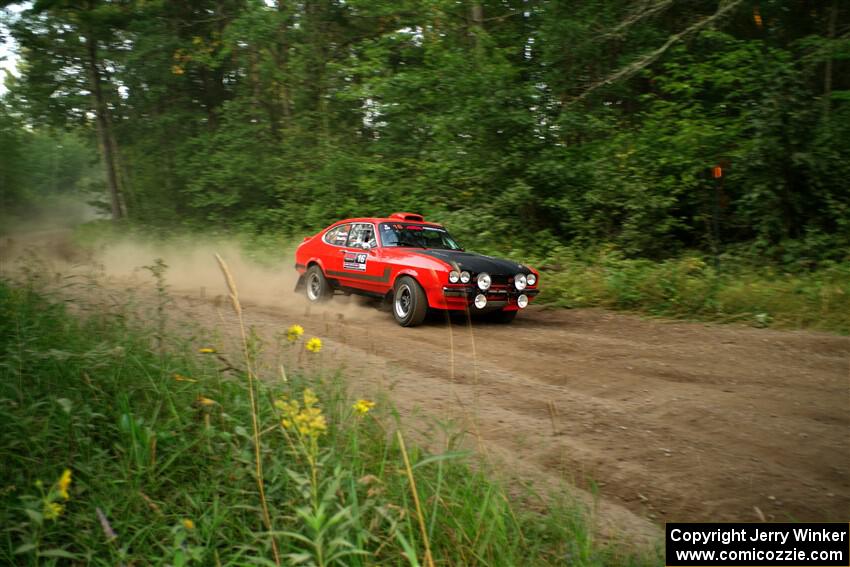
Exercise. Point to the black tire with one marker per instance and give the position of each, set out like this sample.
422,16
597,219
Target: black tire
316,285
503,317
410,305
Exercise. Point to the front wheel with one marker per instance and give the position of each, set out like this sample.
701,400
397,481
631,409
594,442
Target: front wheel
410,305
317,286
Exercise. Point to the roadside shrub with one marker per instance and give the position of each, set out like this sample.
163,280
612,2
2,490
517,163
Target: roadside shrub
691,287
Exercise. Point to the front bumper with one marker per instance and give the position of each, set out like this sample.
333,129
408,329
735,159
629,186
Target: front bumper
464,296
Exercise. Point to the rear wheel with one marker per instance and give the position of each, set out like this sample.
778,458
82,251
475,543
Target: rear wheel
503,317
410,305
317,286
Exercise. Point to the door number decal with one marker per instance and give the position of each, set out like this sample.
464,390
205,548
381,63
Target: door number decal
355,261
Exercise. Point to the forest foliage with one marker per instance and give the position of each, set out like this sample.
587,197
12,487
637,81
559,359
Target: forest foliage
523,124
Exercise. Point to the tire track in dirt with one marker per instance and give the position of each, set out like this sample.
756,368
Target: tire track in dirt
673,421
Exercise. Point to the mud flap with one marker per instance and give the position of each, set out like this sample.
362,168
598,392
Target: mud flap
299,285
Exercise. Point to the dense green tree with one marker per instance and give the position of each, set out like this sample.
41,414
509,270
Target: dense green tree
43,167
523,123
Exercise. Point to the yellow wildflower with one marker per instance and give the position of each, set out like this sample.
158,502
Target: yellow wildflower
289,409
307,420
206,350
286,406
181,378
52,510
362,407
294,332
204,401
310,397
188,524
310,422
314,344
64,483
177,70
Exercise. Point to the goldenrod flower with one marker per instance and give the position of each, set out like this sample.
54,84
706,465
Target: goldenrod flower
310,397
181,378
52,510
310,422
286,406
64,483
289,409
314,344
362,407
294,332
188,524
206,350
307,420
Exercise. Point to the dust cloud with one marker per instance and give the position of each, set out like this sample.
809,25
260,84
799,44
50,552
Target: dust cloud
190,262
191,270
52,213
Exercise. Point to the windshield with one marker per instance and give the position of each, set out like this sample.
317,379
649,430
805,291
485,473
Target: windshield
417,236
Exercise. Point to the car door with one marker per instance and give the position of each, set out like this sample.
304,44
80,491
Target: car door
362,266
336,240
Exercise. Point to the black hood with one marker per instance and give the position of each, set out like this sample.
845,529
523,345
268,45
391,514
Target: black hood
477,263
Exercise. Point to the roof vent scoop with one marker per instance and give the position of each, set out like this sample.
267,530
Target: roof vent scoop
407,217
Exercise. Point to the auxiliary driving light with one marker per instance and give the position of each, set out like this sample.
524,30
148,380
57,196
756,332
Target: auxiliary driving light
520,281
484,281
481,301
464,277
454,276
531,279
521,301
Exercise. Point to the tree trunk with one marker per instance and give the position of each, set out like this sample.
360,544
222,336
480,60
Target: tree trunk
126,197
827,74
104,134
476,15
476,22
281,61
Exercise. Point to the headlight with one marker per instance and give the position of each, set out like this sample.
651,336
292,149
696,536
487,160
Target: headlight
531,279
480,301
454,276
484,281
522,301
464,277
519,282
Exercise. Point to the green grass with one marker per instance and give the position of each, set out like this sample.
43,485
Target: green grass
690,287
163,469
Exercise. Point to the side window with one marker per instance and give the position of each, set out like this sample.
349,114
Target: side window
361,235
338,236
389,237
371,237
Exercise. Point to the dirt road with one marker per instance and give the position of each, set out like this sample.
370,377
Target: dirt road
673,421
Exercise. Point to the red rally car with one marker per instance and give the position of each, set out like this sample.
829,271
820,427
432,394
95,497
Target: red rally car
414,264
